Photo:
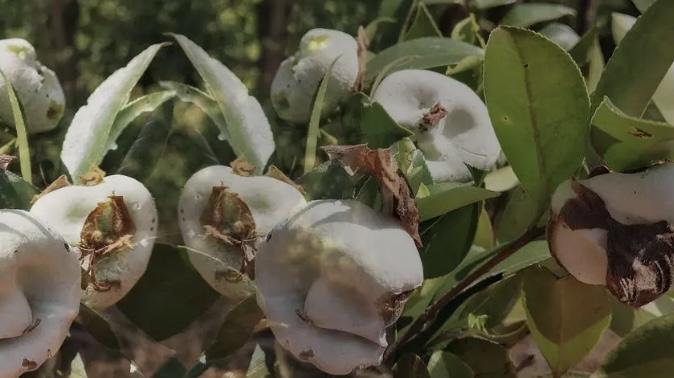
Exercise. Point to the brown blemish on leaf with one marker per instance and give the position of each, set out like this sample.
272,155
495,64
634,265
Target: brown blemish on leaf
5,160
640,256
228,219
28,364
433,117
395,192
109,228
59,183
637,132
363,44
242,167
93,177
278,174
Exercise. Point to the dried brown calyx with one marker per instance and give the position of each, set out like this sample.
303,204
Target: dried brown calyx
640,256
93,177
228,219
395,192
107,229
433,117
242,167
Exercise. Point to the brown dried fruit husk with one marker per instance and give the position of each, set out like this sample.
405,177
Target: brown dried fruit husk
640,256
228,219
278,174
242,167
59,183
379,163
93,177
5,160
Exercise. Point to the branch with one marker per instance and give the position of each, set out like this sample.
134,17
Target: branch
422,323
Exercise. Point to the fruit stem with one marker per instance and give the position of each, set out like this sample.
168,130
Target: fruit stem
431,313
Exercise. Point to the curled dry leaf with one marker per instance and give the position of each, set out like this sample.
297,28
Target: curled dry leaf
107,229
228,219
5,160
241,166
278,174
395,192
640,256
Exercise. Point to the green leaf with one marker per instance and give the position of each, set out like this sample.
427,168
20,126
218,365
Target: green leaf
98,327
445,197
528,14
169,296
640,62
257,368
664,94
475,352
646,352
628,142
89,133
539,107
328,180
247,126
410,366
566,317
145,104
484,235
420,53
447,365
520,212
202,100
21,133
146,151
561,34
596,66
236,330
581,51
15,193
315,121
379,129
448,240
423,25
625,319
487,4
466,30
642,5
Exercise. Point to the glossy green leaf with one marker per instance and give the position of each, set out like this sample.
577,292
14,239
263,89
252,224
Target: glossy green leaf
248,129
447,365
21,132
423,25
169,296
539,107
15,193
89,133
664,94
561,34
646,352
315,121
379,129
487,4
566,317
528,14
236,330
640,61
410,366
475,352
448,240
628,142
420,53
145,104
445,197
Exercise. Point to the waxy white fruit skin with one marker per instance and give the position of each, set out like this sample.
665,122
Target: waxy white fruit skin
37,87
270,202
334,264
66,210
635,198
39,282
464,137
298,77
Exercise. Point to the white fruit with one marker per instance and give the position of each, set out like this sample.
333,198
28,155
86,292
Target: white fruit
39,292
629,200
463,137
297,79
37,87
270,202
67,209
331,280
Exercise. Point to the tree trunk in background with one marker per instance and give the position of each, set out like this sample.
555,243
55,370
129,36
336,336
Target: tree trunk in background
272,27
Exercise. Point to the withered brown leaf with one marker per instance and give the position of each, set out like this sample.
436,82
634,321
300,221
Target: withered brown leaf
59,183
395,192
363,44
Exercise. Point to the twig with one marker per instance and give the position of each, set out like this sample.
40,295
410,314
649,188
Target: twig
432,311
